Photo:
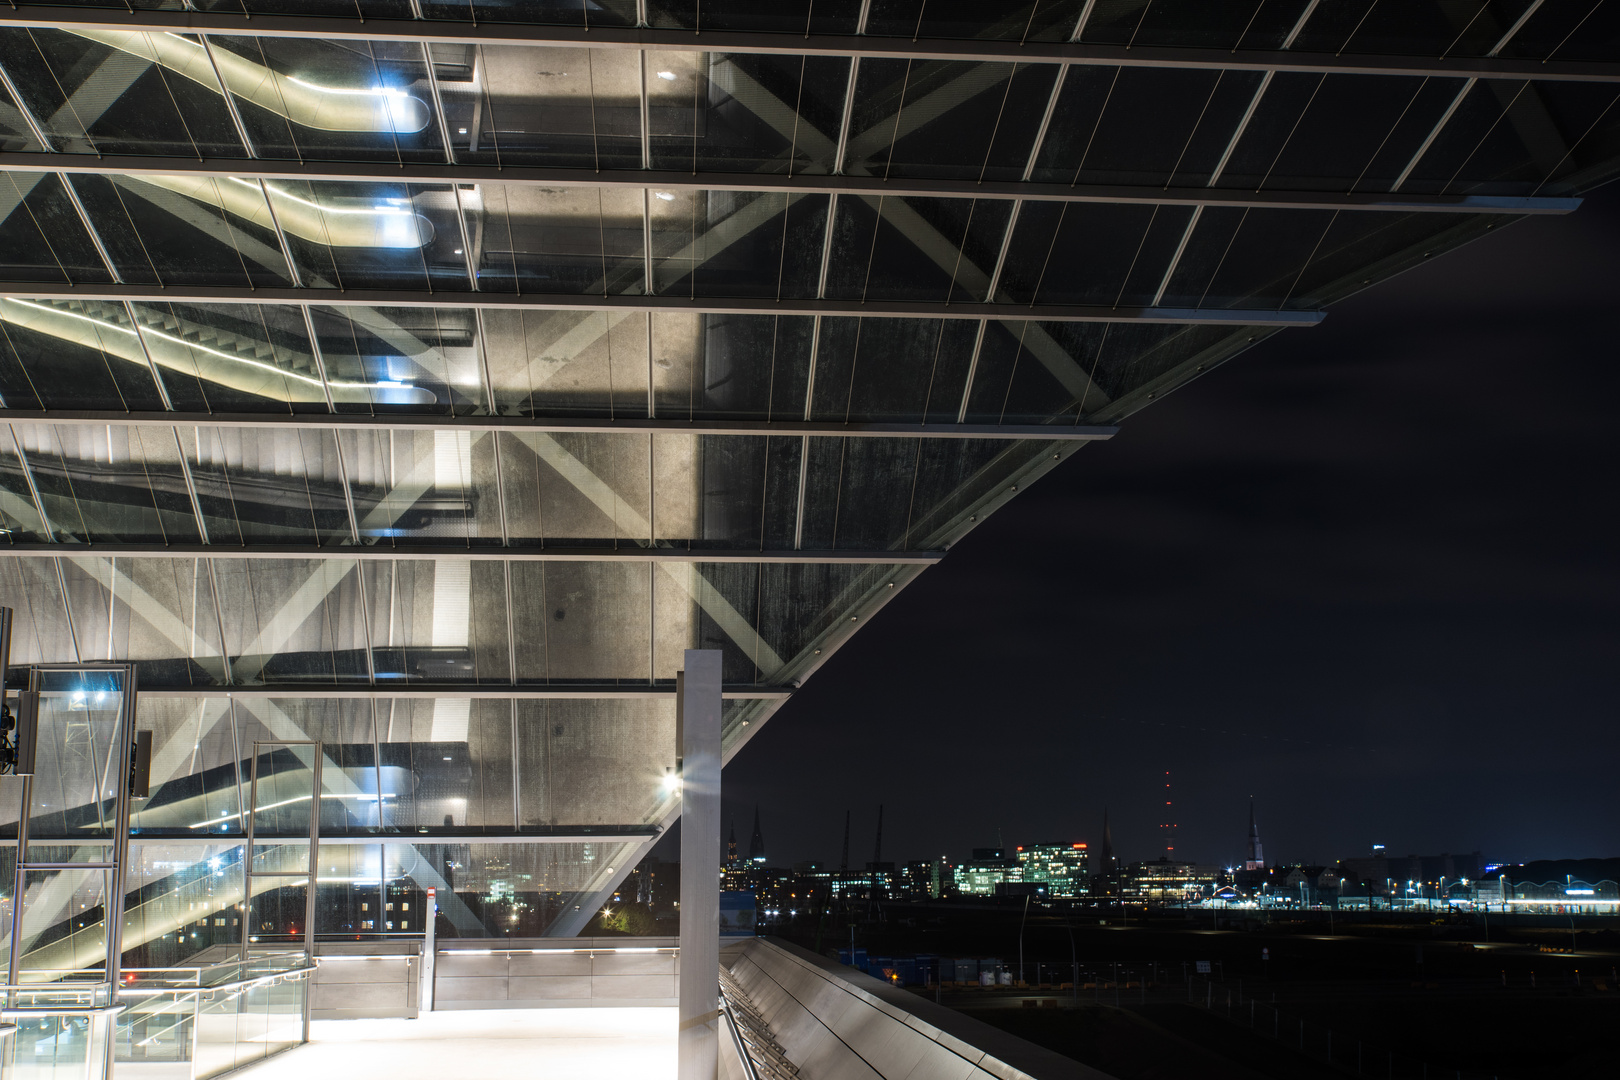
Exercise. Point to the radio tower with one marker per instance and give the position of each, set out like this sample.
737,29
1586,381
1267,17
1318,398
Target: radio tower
1168,829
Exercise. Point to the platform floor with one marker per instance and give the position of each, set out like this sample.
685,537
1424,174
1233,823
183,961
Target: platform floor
577,1044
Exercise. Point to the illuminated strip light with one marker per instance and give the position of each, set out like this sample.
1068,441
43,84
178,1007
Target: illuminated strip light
290,197
532,952
335,384
1584,900
287,802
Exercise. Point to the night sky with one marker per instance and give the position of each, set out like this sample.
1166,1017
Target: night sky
1364,572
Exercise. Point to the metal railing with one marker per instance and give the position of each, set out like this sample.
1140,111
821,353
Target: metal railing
762,1056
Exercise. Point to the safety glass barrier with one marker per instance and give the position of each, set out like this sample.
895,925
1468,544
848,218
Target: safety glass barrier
56,1042
204,1030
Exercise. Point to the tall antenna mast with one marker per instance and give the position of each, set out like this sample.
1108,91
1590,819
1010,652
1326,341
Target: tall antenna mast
1168,829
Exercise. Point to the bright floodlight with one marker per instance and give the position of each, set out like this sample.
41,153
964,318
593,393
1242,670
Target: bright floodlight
667,76
671,781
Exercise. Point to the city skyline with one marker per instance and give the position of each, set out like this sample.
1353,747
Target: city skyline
1331,584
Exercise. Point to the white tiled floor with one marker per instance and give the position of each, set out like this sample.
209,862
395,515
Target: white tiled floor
566,1044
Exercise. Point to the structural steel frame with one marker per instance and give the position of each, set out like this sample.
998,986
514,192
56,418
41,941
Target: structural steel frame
798,184
515,691
707,305
212,23
559,425
491,553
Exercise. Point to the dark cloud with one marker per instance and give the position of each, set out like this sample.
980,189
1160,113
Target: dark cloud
1365,572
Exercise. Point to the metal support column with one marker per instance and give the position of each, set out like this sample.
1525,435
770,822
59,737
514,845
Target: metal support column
698,735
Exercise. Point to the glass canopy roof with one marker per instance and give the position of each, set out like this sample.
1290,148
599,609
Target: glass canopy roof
424,377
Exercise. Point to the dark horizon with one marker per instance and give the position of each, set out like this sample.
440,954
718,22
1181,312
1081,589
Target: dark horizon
1363,573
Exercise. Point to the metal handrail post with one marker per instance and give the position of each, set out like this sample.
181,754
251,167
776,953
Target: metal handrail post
314,867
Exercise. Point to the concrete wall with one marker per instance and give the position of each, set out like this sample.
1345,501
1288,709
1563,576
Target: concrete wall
365,980
543,973
838,1024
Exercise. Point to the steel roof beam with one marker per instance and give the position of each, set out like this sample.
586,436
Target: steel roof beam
491,553
414,689
713,305
733,41
798,184
565,425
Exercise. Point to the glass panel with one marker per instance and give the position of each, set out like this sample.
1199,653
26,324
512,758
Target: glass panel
438,621
500,890
590,488
877,243
276,910
191,230
281,797
369,235
594,762
429,484
556,240
75,787
390,359
566,363
447,763
194,769
735,243
581,621
289,620
268,485
1249,24
58,1048
301,97
509,104
64,931
42,234
182,900
110,483
123,92
232,357
946,119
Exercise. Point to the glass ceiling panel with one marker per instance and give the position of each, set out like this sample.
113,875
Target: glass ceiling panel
729,243
121,92
267,486
891,369
1026,20
185,230
585,622
1515,136
402,359
565,363
72,354
110,484
920,249
437,486
1245,24
290,620
526,105
946,119
439,621
299,97
227,357
594,762
15,134
556,240
784,16
41,232
593,489
769,114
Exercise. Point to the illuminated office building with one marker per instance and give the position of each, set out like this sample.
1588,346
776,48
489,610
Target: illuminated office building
1062,868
